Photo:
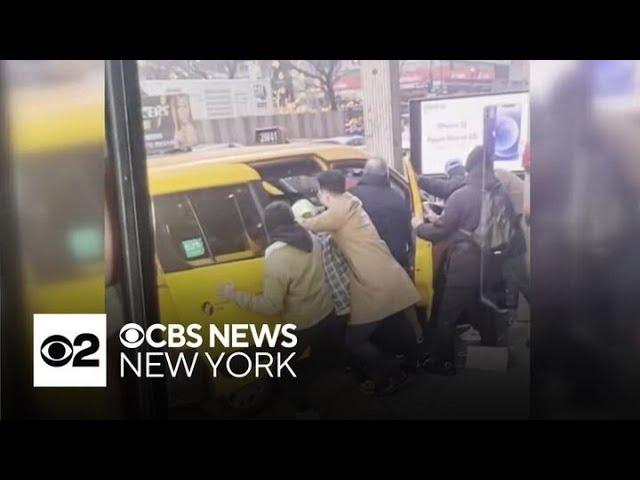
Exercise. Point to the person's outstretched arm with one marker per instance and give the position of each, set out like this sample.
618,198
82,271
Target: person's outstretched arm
440,187
445,225
271,301
328,221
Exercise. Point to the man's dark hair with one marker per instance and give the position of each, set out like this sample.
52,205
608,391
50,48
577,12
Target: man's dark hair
277,214
475,159
332,181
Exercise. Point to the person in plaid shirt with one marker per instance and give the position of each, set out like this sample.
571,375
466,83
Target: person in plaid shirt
335,265
336,271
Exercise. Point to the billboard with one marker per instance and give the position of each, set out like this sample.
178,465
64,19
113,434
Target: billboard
168,123
446,128
216,99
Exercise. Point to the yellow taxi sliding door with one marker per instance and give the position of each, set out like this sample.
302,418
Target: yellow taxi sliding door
423,261
206,237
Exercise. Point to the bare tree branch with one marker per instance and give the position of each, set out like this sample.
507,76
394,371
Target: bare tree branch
325,71
305,72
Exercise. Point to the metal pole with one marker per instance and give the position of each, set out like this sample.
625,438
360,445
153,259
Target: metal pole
128,158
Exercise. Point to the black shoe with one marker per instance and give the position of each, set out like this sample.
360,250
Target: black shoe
439,368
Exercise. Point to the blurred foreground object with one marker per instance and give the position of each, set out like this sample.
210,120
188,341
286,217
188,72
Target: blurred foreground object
54,147
585,231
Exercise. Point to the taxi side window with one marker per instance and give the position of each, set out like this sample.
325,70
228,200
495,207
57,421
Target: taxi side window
208,226
231,222
179,239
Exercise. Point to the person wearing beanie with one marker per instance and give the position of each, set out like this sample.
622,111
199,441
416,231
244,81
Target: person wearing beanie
294,287
443,187
461,292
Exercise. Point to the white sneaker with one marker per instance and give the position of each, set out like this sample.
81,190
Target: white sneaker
470,336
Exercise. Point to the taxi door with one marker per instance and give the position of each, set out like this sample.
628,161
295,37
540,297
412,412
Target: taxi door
206,237
423,261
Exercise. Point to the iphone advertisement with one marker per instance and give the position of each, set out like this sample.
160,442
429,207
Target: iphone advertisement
449,128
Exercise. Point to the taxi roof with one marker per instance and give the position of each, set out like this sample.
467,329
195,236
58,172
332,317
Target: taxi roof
257,153
181,177
209,167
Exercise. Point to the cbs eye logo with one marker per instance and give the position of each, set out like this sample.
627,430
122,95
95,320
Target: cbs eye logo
132,335
57,350
69,350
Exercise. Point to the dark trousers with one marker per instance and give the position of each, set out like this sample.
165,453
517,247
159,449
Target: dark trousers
399,337
372,345
454,302
325,340
331,351
517,278
438,293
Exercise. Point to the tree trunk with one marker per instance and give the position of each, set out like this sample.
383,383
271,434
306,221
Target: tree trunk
231,69
331,95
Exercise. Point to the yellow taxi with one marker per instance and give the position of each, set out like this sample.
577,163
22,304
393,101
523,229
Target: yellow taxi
207,211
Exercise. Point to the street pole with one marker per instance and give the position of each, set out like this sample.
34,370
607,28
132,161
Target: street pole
381,108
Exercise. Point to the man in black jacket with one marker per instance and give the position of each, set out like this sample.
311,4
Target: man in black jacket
462,268
443,187
389,211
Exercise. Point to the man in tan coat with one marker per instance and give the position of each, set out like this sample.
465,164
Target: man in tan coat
380,288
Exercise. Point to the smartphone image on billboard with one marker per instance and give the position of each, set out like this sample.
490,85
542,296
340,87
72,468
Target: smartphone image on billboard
489,129
502,130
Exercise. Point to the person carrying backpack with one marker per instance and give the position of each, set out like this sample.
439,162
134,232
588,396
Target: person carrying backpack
465,226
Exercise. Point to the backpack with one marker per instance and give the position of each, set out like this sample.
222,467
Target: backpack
497,230
498,238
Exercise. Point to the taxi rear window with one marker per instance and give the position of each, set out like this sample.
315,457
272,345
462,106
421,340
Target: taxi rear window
206,227
293,176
